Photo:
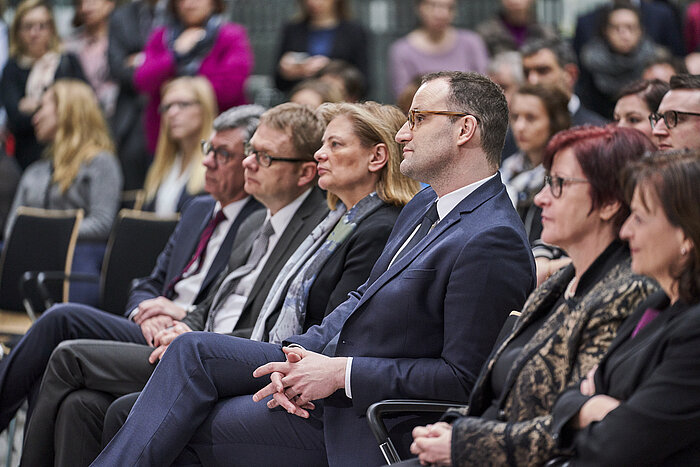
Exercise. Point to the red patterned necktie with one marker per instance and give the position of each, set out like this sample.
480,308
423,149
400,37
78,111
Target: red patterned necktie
200,252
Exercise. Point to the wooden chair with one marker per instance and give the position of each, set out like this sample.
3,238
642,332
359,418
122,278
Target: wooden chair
40,239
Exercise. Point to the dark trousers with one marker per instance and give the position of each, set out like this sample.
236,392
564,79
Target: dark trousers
199,398
82,379
21,371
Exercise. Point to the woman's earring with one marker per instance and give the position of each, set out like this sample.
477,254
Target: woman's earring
684,251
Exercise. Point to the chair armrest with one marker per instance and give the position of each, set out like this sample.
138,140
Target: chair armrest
375,418
33,285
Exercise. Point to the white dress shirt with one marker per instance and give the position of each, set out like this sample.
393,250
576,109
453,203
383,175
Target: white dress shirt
232,307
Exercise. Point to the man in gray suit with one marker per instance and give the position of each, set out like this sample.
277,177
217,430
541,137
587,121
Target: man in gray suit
280,172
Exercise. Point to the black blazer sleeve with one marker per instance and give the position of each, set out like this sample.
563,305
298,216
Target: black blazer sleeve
11,92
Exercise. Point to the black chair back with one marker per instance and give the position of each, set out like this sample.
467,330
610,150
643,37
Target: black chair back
135,242
41,240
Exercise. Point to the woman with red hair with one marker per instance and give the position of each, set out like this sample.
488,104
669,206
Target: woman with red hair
567,323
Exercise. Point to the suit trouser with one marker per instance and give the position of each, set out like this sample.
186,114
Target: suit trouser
21,371
199,398
82,378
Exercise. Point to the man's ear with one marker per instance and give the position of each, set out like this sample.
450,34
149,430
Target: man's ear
307,173
608,210
572,73
467,130
378,158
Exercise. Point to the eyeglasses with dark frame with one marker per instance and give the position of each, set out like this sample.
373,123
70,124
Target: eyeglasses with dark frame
555,183
670,117
265,160
412,115
221,155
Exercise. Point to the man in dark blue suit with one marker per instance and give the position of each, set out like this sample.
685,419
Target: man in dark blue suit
420,327
180,279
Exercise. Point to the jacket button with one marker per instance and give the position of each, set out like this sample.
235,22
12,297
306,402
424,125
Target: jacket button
343,341
502,415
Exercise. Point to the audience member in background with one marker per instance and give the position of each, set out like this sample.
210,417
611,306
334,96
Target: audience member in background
614,57
197,41
80,171
513,25
89,42
4,55
692,62
10,174
691,26
435,45
663,66
553,62
637,101
567,324
537,113
187,111
641,405
659,22
506,70
197,251
323,31
129,28
35,62
348,79
313,282
676,124
313,92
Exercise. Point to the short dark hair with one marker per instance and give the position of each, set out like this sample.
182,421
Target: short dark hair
219,7
672,177
650,91
481,97
609,9
602,153
685,81
561,49
555,103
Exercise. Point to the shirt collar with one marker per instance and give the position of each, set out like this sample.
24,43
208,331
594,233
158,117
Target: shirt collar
574,104
232,209
282,217
447,203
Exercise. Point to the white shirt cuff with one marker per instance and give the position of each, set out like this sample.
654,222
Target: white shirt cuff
133,313
348,370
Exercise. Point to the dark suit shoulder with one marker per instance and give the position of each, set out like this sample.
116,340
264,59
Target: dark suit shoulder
584,116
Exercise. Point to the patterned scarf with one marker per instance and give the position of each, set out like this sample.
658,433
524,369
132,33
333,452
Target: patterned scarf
303,268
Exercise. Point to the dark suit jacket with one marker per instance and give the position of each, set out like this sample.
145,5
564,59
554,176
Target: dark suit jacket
656,376
423,327
310,213
350,45
659,22
180,248
182,201
584,116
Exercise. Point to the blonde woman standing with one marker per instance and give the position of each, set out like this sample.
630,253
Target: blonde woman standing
79,171
188,107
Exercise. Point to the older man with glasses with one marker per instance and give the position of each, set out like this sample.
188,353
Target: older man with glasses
676,125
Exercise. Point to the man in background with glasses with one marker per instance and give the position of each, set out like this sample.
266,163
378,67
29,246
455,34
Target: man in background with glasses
676,125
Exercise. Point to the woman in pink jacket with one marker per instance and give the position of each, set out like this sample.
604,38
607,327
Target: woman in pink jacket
196,42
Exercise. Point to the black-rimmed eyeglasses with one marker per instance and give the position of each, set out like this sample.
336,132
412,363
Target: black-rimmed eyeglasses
221,155
265,160
555,183
670,117
413,112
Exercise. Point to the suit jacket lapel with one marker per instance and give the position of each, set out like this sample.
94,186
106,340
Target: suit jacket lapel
186,246
482,194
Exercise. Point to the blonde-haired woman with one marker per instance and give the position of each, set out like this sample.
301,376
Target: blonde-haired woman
79,171
188,108
35,62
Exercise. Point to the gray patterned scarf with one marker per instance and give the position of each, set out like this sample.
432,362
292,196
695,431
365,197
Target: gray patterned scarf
303,267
